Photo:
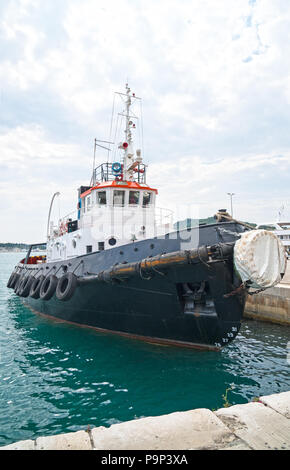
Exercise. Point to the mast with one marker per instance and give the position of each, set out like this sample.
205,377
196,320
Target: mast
129,163
128,150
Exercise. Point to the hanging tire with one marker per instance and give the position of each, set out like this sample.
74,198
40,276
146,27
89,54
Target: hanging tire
48,286
24,287
21,284
18,283
35,287
10,280
66,286
14,280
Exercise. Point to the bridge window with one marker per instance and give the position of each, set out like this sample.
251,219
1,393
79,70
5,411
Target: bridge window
119,198
101,198
134,197
147,198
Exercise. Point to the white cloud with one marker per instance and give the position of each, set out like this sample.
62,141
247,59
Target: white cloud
191,180
214,77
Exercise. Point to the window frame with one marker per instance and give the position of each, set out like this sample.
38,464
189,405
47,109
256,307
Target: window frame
139,197
97,198
150,199
123,191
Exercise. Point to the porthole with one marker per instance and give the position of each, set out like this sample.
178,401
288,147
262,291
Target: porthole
112,241
74,243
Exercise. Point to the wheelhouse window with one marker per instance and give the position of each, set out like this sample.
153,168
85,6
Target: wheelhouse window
147,198
101,198
134,197
119,198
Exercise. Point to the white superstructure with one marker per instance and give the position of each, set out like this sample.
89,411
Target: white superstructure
116,209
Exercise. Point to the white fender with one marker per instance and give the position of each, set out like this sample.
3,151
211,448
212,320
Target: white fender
260,257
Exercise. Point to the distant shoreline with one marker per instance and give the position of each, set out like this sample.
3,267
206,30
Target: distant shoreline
18,250
10,247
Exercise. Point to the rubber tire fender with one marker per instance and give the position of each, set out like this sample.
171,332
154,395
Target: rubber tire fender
11,281
48,286
18,283
21,284
35,287
14,280
66,286
24,287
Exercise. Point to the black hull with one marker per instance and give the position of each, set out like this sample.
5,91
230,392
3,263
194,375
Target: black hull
155,306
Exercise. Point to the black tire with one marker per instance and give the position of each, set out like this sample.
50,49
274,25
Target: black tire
24,287
35,287
14,280
66,286
48,286
10,280
18,283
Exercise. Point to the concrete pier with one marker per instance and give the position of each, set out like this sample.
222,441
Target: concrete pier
273,305
259,425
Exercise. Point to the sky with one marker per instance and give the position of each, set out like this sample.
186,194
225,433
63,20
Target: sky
214,78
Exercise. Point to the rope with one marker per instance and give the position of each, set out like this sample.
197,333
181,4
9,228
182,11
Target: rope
230,219
220,229
81,262
201,260
236,291
140,272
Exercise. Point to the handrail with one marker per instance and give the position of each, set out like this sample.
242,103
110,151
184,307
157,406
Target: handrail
30,250
49,213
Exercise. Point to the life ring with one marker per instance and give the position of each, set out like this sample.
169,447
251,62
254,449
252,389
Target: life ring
63,228
119,177
116,167
35,287
25,286
66,286
48,286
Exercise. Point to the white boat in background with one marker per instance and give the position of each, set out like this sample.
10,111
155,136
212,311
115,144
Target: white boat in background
282,231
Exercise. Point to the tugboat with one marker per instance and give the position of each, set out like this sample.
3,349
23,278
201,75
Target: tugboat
118,267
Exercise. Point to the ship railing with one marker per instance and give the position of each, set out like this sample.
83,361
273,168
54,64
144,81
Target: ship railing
163,219
105,172
35,259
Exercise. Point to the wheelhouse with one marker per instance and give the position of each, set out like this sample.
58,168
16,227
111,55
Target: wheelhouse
117,208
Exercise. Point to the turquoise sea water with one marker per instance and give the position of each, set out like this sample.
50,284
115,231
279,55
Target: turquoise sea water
57,378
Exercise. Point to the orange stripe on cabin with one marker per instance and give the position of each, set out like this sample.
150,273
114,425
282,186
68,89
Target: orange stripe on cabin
118,184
